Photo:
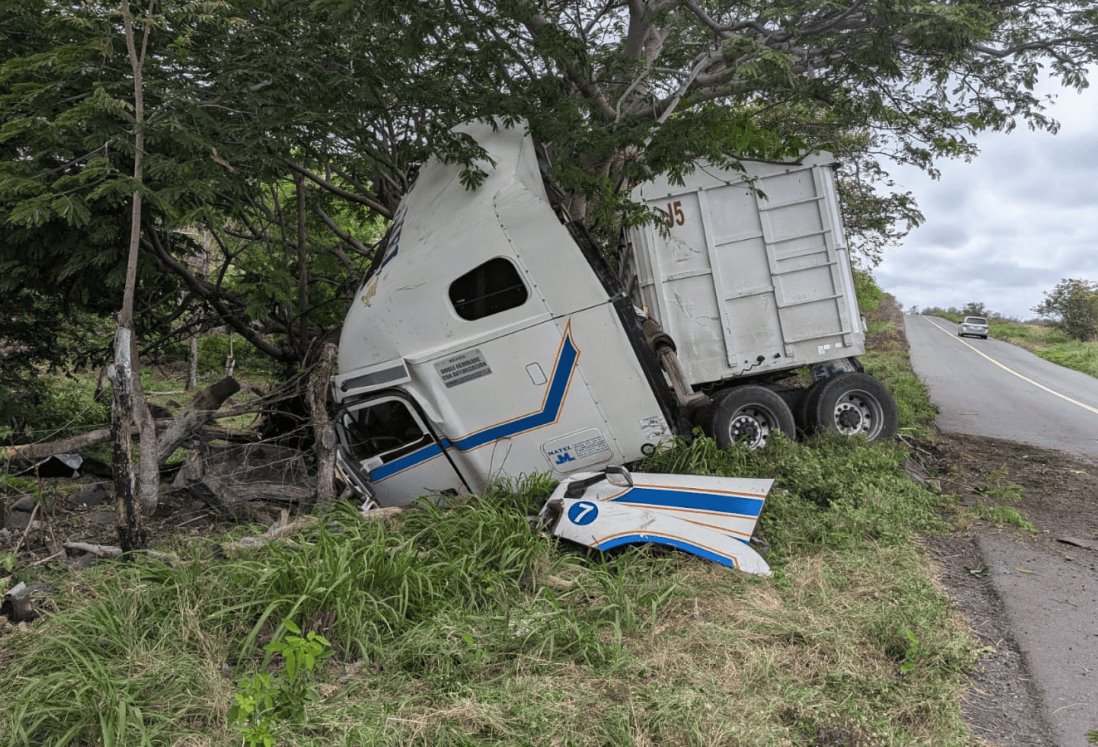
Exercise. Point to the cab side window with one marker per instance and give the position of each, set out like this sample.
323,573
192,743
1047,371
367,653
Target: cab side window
492,287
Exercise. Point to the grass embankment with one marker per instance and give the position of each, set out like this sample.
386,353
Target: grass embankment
1045,341
461,626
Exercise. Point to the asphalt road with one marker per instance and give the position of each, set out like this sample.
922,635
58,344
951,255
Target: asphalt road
992,388
1050,597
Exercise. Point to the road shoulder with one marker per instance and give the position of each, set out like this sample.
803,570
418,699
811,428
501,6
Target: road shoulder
1029,597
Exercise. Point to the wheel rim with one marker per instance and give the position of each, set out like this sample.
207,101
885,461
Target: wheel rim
752,427
858,413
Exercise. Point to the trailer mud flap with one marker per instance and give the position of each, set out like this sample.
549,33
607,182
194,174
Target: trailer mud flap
711,517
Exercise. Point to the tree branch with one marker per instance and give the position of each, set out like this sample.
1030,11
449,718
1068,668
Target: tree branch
369,202
347,238
214,297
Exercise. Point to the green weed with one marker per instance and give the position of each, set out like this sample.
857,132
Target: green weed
998,487
262,698
1004,516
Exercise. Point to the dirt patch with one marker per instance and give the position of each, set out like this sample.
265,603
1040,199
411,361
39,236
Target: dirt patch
1004,706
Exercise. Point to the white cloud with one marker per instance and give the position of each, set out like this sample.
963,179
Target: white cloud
1009,225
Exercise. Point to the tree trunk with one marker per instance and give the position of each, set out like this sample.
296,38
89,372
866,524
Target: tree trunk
323,431
192,367
128,399
131,527
302,268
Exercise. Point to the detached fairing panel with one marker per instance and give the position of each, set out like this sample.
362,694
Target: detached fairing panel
711,517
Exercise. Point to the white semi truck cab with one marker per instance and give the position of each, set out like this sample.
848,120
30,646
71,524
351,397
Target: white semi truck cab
490,340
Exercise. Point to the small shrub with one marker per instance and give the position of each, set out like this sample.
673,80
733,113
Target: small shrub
262,698
869,294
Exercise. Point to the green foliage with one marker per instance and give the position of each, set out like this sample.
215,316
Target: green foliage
262,698
868,293
874,215
50,407
615,93
1073,304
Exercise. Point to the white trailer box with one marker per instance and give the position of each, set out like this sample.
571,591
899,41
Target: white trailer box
749,274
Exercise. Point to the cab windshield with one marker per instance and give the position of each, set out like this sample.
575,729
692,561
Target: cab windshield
383,430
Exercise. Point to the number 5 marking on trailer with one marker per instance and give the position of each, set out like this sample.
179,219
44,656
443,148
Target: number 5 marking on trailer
675,215
583,513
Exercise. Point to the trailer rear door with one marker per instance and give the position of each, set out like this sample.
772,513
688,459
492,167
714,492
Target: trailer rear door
748,280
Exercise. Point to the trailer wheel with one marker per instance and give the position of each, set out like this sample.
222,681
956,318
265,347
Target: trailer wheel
854,404
804,407
750,415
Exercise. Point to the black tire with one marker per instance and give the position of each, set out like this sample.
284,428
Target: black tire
802,413
749,415
855,404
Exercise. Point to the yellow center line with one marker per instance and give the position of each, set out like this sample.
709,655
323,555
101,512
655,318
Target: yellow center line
1053,392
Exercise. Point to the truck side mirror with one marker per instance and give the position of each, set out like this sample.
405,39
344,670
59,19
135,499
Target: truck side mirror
625,479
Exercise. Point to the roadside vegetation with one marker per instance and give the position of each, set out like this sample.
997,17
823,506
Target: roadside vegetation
1050,343
460,625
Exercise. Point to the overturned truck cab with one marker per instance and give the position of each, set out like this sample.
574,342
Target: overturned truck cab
484,345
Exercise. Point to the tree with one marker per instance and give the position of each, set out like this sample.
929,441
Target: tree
290,141
128,398
975,308
1073,305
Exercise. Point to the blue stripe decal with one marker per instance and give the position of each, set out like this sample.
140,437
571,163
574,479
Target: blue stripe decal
430,451
701,552
549,413
717,502
554,401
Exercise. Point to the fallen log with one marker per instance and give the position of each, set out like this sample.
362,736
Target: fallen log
195,415
39,451
114,551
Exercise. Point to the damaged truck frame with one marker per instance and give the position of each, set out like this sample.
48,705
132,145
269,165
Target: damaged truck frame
490,340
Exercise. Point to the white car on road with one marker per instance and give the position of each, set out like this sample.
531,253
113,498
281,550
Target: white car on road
976,326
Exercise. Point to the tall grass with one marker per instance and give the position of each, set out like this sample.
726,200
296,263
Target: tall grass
1052,344
460,625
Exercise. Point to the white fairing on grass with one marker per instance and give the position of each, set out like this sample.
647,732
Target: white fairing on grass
711,517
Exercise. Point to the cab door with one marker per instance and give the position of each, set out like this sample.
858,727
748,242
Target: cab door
385,441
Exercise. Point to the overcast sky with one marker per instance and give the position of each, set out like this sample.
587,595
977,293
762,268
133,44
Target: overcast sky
1011,224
